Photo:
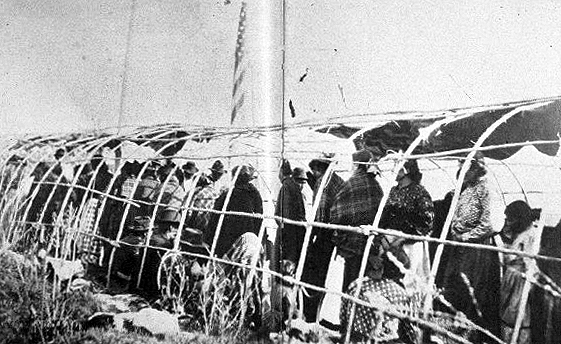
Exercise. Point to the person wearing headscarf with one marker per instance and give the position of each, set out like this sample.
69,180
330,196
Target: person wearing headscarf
520,232
471,279
380,290
320,247
244,198
409,209
355,204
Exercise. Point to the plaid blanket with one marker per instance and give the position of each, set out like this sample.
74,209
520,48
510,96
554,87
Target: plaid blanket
89,247
355,204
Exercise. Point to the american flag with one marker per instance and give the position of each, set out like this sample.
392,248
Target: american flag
238,93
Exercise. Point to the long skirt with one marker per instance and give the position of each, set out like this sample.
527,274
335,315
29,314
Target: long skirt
471,284
511,294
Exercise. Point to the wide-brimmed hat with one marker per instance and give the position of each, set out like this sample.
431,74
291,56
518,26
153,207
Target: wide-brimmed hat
324,160
299,174
190,167
218,166
192,241
169,216
362,156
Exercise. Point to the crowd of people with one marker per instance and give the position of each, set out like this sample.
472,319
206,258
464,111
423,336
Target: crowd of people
157,194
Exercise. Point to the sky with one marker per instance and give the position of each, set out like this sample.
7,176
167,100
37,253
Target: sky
63,61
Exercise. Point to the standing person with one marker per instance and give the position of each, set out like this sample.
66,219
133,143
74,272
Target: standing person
410,210
521,233
189,170
244,198
471,278
217,171
290,205
204,198
146,191
171,192
320,247
355,204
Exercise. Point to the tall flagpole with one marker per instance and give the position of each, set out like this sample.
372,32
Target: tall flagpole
283,74
124,80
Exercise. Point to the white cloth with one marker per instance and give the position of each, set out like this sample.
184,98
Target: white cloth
307,197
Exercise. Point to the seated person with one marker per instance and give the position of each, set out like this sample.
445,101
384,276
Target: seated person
380,291
127,256
160,242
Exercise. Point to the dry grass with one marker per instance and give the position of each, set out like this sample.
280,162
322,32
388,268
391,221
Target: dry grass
32,309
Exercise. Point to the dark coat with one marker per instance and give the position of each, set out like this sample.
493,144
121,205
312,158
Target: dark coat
245,198
290,237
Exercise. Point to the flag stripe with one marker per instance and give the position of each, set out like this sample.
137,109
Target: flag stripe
238,92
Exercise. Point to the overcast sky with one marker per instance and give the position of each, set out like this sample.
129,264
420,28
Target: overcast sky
62,61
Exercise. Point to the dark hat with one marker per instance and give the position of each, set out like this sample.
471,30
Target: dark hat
247,173
322,161
190,167
362,156
192,240
299,174
169,216
218,166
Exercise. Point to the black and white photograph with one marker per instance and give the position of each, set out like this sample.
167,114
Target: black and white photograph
280,171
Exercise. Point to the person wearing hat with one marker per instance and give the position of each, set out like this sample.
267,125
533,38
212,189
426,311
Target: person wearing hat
355,204
146,190
244,198
472,223
290,205
127,257
320,247
216,171
170,193
162,239
409,209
